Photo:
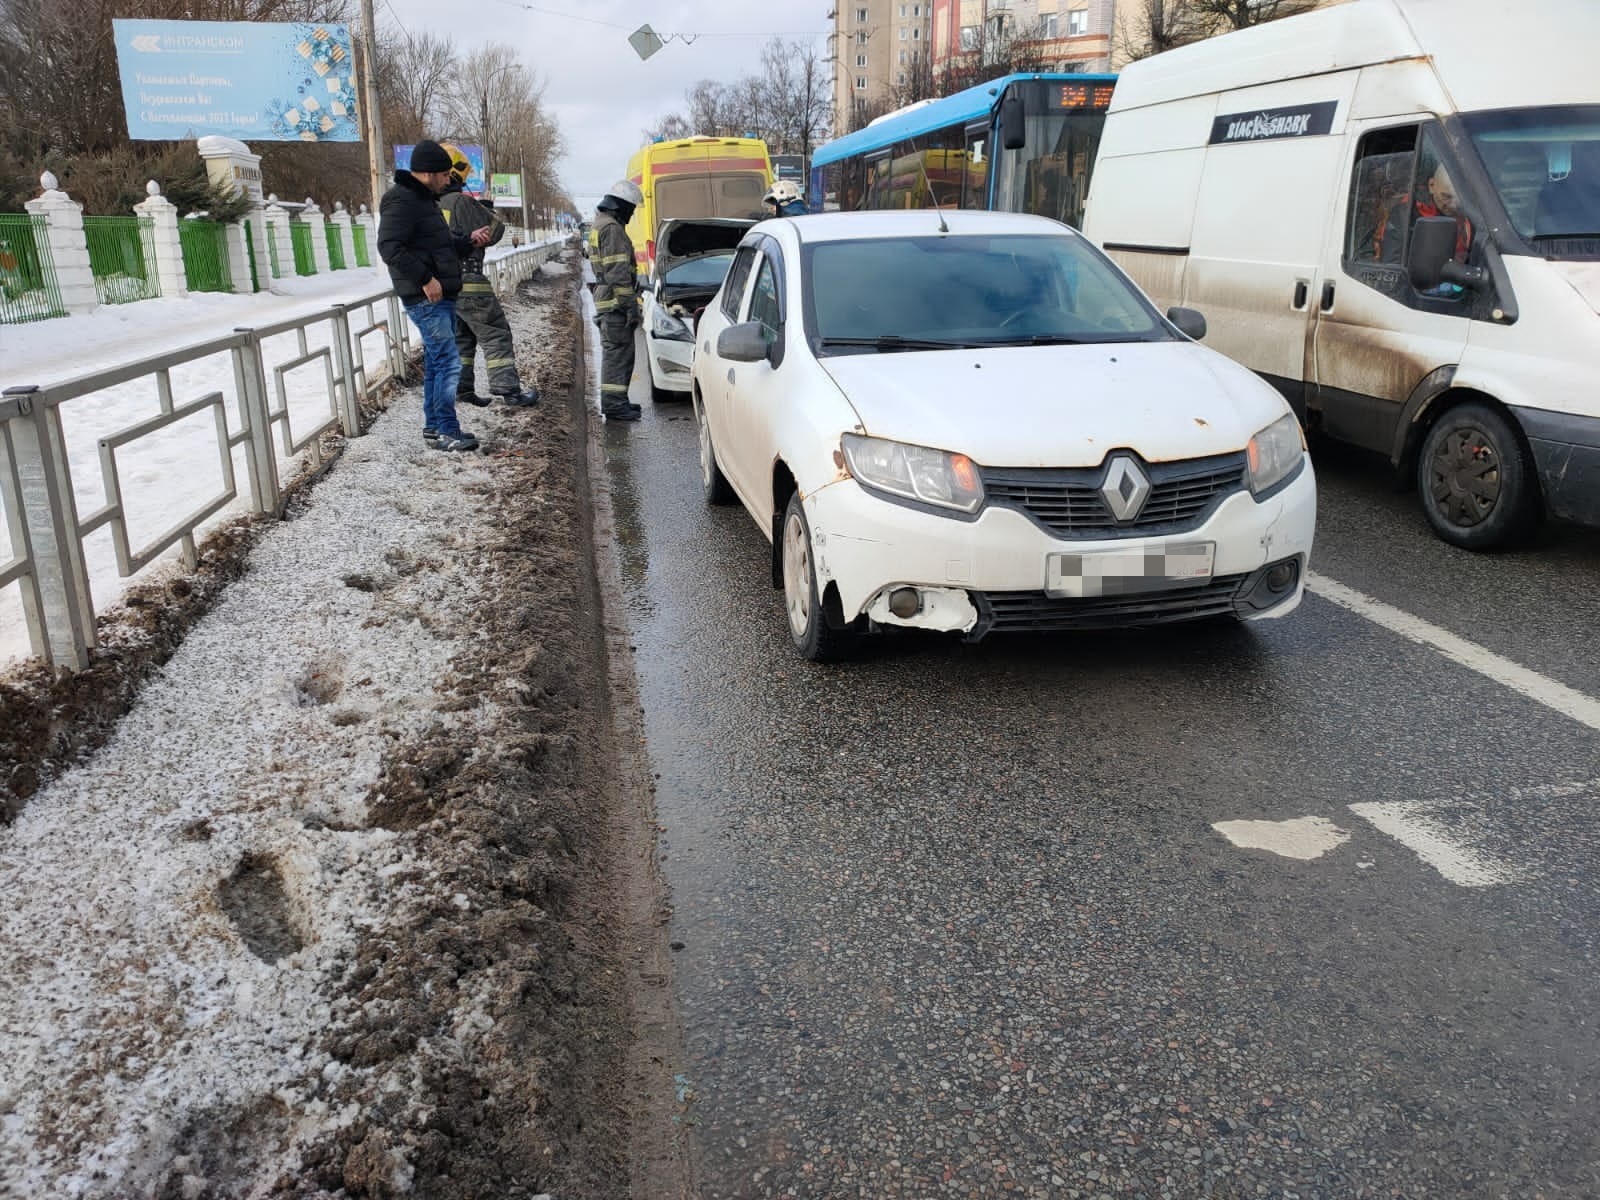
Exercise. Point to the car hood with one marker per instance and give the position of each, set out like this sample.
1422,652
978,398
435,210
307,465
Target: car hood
1059,406
683,238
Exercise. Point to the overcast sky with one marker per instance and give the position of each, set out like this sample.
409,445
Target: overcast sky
601,93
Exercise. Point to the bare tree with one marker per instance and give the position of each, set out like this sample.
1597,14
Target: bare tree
413,73
786,105
1242,14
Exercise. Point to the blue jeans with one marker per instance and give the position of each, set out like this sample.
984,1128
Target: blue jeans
441,363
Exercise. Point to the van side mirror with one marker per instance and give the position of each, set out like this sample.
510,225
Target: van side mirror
1013,121
1190,322
746,342
1430,258
1433,243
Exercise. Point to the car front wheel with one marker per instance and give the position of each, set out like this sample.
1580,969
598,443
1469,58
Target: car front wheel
808,625
1476,480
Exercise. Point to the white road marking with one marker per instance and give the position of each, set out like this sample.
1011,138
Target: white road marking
1539,688
1555,791
1409,823
1304,838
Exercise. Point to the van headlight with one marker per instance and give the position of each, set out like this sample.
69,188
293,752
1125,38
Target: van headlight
919,473
664,325
1275,453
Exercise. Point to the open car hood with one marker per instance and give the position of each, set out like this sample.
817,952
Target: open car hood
680,239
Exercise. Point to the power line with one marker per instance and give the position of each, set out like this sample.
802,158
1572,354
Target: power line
665,37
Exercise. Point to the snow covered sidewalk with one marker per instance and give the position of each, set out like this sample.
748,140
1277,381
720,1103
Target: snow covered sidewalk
294,929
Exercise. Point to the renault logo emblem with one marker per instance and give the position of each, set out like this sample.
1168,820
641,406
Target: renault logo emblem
1126,488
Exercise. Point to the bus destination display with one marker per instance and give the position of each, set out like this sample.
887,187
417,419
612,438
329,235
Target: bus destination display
1084,95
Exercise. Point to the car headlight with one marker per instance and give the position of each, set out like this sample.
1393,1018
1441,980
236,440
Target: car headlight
664,325
1275,452
934,477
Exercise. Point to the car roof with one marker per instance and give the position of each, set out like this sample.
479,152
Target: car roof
851,226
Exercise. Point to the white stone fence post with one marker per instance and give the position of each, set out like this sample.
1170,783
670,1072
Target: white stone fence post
312,216
69,249
277,218
163,216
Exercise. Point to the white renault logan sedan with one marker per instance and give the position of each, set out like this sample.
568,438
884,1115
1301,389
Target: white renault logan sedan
975,423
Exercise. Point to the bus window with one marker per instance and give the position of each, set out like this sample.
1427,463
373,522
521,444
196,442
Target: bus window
975,177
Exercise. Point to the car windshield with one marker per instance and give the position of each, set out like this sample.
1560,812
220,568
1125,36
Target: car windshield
1545,164
705,271
966,290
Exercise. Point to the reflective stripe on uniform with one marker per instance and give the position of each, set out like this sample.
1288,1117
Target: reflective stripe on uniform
605,260
493,363
477,289
604,305
614,387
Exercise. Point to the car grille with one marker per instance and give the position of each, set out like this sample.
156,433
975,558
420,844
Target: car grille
1067,501
1035,612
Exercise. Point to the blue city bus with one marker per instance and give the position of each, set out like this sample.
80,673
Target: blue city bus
1020,143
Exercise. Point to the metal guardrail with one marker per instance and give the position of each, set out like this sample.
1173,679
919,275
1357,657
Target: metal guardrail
36,487
47,532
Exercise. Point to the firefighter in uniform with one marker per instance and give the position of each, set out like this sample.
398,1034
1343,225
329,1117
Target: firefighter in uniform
480,319
616,297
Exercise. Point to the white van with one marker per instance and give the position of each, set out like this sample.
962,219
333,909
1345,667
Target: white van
1391,210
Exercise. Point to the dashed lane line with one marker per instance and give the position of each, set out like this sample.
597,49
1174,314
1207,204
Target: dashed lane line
1541,689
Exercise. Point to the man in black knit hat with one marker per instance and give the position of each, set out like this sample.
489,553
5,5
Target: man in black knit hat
424,261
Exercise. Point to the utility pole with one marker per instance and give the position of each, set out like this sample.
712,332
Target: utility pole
522,191
369,107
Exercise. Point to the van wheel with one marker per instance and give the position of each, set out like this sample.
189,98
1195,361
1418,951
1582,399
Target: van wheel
1476,480
713,483
802,602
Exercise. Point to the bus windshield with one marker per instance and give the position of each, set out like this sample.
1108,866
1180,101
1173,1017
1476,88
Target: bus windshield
1050,175
1545,164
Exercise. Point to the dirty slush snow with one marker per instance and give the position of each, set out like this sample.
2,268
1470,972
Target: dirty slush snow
317,919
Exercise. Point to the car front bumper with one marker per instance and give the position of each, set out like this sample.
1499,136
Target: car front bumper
990,573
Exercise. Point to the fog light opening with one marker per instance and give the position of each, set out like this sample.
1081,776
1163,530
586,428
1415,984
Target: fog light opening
1281,577
905,602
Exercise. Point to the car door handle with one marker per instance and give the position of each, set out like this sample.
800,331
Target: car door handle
1327,295
1302,289
730,374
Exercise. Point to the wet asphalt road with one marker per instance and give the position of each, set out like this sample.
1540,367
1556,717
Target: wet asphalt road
955,921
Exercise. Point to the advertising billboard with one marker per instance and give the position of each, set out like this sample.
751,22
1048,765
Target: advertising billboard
475,181
505,185
255,81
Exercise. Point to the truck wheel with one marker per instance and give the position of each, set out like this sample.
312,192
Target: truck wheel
802,601
1477,482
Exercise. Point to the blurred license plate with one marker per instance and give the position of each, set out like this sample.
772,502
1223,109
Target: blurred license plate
1129,572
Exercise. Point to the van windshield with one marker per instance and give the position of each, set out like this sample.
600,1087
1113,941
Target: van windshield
691,195
1545,164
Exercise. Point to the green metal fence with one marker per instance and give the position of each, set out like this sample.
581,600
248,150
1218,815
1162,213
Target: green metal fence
272,253
205,255
363,255
28,290
122,255
335,247
305,259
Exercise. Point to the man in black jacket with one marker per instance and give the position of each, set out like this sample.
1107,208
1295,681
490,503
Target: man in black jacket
424,260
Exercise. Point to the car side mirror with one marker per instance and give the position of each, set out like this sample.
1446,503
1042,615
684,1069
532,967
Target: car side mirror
746,342
1013,123
1189,321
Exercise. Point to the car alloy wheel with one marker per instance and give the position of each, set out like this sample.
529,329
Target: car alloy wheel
712,481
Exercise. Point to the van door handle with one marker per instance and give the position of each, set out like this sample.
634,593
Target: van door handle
1302,289
730,374
1327,295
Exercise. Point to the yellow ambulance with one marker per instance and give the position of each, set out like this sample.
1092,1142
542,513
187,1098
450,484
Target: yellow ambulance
695,177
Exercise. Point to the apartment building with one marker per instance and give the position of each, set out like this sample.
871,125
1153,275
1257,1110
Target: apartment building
1049,35
877,47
